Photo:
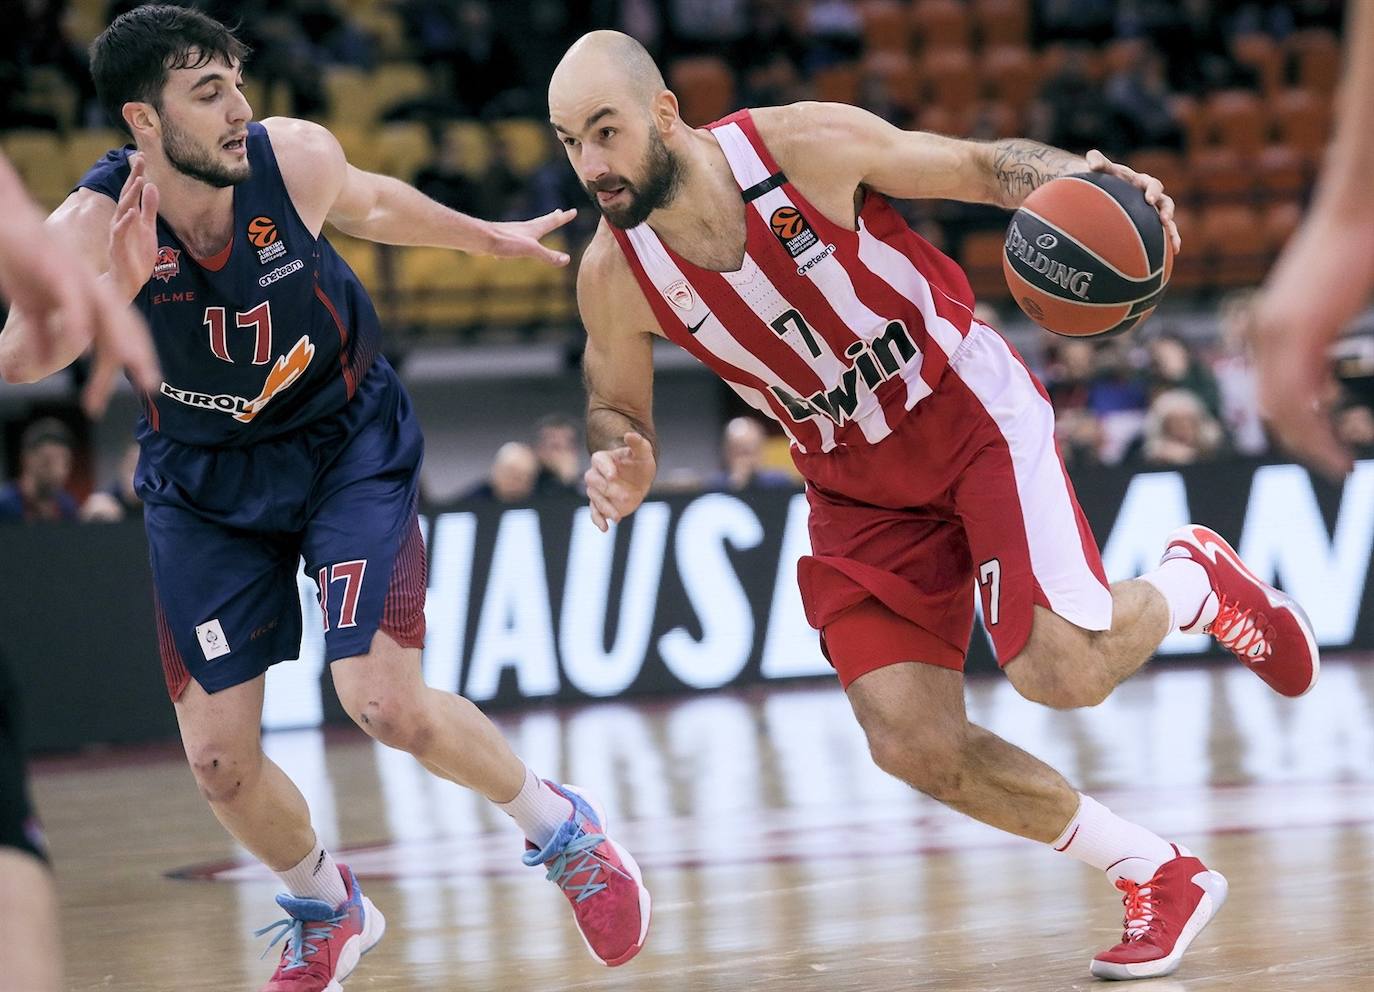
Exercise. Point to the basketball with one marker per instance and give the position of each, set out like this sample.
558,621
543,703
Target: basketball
1085,255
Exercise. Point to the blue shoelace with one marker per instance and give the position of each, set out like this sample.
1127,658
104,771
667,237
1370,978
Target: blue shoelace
562,867
299,937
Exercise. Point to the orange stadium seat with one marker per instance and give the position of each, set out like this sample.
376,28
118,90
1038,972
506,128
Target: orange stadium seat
1221,176
1280,221
837,83
981,256
1261,53
951,78
886,26
403,149
1232,239
1237,119
941,24
1168,168
437,287
1316,58
705,88
1011,74
1189,264
898,75
1188,112
939,120
1283,173
1304,120
527,141
1002,22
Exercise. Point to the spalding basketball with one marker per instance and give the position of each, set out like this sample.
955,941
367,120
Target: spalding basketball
1086,255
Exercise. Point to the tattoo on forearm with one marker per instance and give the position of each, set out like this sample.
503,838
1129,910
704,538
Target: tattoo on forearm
1020,166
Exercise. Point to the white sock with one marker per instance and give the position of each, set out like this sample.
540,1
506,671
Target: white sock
316,877
537,810
1099,837
1186,588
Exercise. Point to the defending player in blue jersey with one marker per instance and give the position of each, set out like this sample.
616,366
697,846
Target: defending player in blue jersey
279,432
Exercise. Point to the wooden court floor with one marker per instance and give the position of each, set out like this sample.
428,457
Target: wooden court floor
778,856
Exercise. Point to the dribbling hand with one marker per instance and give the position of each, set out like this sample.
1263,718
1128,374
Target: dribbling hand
619,479
1149,185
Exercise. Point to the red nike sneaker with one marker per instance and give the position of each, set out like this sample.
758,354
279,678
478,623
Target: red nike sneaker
323,943
1163,916
1263,627
600,879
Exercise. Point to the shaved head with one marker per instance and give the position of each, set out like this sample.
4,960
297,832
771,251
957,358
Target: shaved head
613,58
612,112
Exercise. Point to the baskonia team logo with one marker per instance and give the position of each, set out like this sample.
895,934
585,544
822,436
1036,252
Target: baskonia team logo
168,263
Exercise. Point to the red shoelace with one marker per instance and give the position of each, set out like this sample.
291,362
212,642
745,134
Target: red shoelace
1140,909
1236,630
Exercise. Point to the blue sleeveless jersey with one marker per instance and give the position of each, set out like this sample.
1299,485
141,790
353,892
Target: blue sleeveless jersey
277,336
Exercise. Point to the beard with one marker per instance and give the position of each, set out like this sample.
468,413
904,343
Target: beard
197,162
662,173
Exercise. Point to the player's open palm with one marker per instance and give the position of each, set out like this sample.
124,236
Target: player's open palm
133,232
520,238
619,479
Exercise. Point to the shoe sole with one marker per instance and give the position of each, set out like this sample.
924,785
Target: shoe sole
374,926
1213,885
632,866
1281,600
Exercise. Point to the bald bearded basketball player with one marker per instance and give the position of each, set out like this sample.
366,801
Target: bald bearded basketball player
766,246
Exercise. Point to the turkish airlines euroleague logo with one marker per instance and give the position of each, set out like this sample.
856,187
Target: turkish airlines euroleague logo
262,231
790,227
264,236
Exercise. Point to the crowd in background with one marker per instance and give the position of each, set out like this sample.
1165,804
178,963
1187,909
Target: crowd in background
1153,398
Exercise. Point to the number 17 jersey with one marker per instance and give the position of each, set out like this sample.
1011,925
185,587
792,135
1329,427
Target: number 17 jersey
272,333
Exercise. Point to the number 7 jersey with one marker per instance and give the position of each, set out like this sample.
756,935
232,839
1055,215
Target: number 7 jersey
272,333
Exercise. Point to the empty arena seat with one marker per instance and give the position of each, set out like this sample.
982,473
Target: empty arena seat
403,149
705,88
1284,173
1280,221
527,142
85,148
1002,22
1011,74
980,254
1221,176
1303,117
1262,54
898,76
1168,168
951,79
941,24
1237,119
1315,58
1232,239
837,83
886,25
437,287
391,85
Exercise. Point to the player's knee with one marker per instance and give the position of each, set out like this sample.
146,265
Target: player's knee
930,763
399,720
1053,683
223,772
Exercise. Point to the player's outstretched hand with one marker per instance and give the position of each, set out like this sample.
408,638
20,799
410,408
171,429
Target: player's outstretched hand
1152,187
520,238
619,479
133,232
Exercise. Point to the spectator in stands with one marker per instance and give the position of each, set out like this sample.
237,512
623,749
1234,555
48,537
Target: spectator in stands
1077,20
560,461
337,39
1355,427
1079,435
444,179
117,500
1071,112
1237,382
1174,365
741,455
1179,430
513,472
499,190
1138,93
553,186
45,466
695,27
836,33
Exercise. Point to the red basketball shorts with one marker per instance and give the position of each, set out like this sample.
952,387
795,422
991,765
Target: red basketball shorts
969,492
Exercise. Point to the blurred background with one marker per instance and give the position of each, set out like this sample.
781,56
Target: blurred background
1228,102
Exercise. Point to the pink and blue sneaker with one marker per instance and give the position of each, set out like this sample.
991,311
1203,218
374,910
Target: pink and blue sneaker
323,943
600,879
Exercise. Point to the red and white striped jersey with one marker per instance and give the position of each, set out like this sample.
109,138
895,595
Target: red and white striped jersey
833,333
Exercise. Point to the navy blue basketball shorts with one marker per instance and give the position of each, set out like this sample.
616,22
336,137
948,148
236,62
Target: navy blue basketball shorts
228,528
